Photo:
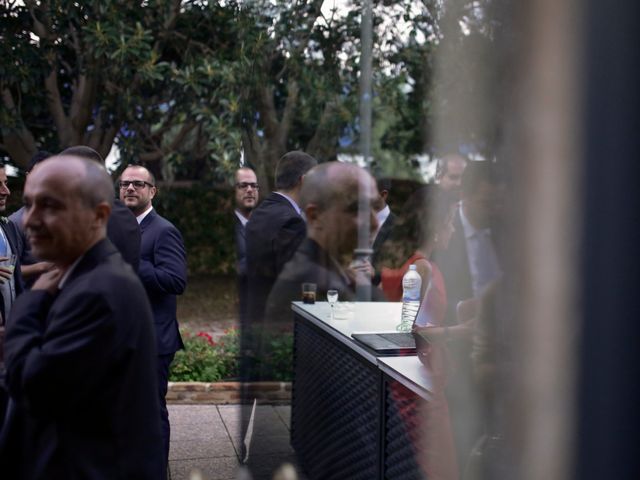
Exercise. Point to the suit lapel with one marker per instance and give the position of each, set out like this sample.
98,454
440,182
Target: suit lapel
147,220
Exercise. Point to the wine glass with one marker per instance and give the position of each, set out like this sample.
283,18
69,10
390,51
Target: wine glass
332,298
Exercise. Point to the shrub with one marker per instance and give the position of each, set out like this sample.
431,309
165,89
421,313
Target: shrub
204,360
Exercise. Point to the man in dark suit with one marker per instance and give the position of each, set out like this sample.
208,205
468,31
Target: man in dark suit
163,271
386,221
80,352
470,263
275,230
246,198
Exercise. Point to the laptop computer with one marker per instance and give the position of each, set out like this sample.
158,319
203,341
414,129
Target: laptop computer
391,343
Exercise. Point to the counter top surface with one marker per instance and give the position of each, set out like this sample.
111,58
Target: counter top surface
369,317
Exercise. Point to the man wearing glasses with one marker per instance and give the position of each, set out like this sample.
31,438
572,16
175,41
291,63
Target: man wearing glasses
246,199
163,271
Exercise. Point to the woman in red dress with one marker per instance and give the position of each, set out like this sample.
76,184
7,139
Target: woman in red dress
429,225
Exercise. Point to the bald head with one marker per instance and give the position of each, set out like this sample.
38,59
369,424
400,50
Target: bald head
329,197
67,204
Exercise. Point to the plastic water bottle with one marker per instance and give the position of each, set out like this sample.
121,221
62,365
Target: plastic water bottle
411,285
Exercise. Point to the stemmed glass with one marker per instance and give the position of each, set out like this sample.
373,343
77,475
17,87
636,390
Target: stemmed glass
332,298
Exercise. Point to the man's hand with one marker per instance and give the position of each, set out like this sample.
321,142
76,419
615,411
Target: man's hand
35,269
48,281
6,270
360,267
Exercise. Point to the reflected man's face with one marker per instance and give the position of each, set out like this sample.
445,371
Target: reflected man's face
341,218
451,180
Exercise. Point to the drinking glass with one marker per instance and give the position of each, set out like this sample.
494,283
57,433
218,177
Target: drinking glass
309,293
332,298
9,262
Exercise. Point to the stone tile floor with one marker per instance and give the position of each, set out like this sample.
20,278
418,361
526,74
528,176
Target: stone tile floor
208,439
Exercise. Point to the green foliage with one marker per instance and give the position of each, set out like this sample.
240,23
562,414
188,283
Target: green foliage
205,218
204,360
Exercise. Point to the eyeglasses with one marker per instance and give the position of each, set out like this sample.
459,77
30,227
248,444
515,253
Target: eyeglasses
245,185
137,184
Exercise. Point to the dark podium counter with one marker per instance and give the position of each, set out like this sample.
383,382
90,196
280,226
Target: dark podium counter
354,415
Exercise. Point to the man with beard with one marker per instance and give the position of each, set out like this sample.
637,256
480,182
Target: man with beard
163,271
246,199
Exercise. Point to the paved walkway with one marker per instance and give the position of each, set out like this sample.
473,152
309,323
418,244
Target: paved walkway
208,439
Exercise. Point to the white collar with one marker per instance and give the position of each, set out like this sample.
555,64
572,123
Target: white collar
241,217
382,215
292,202
142,216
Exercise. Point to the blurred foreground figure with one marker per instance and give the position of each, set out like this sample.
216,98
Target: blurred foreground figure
80,348
330,200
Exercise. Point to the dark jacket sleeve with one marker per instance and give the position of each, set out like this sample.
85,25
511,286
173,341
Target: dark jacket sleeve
62,353
166,270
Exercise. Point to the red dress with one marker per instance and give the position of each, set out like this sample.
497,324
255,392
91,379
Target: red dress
391,278
435,448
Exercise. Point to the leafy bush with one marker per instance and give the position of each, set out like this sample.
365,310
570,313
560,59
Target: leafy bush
204,360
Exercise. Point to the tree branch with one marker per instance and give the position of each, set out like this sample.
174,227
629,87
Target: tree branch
56,108
39,28
289,108
175,143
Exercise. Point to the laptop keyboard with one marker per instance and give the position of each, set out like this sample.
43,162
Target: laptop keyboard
401,339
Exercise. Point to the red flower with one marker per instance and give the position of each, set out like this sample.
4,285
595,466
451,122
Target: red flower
207,337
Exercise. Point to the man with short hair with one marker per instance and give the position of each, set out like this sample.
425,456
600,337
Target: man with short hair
450,170
122,229
275,230
79,350
246,198
163,271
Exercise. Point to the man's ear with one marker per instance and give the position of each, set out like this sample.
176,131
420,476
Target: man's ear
152,192
312,212
102,212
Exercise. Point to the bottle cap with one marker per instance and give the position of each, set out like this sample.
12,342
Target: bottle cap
412,267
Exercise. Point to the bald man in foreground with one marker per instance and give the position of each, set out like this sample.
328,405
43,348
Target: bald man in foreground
80,347
329,198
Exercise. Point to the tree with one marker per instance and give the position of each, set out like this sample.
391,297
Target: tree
97,72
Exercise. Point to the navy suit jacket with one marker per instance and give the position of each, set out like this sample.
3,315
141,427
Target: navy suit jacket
81,372
163,271
273,234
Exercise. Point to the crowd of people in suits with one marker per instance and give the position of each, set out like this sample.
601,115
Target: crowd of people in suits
88,311
89,334
306,231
